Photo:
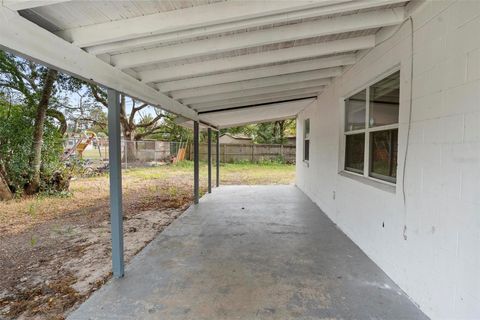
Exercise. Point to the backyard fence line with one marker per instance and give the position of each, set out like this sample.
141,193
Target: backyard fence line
146,152
133,153
230,153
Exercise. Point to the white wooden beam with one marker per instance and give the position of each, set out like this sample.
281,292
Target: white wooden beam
236,123
18,5
255,99
25,38
257,114
257,59
270,71
176,20
257,83
258,91
324,27
263,101
148,41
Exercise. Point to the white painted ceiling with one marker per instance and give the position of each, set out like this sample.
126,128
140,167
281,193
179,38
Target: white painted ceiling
198,58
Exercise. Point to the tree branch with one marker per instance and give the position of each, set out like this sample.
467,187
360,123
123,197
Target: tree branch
103,125
60,117
135,110
96,94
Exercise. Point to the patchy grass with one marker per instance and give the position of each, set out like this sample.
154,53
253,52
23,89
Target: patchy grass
85,193
55,250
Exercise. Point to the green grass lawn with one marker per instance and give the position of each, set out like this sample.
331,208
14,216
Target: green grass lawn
230,173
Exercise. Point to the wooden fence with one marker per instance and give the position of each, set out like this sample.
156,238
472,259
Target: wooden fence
247,152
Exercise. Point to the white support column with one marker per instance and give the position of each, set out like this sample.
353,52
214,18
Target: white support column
116,214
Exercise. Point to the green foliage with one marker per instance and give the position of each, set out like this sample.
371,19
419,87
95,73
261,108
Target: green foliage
269,132
171,131
263,161
16,126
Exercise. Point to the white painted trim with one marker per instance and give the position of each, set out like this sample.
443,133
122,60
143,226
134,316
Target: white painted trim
266,98
367,130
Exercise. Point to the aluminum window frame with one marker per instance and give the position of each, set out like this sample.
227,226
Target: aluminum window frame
367,172
306,137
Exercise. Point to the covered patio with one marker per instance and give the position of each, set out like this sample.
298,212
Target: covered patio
215,64
251,252
386,97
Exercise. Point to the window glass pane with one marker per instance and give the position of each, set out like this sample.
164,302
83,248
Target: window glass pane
384,148
306,150
354,152
355,107
385,100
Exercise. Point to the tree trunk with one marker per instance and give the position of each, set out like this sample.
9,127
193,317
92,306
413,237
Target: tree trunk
36,156
5,192
61,119
130,148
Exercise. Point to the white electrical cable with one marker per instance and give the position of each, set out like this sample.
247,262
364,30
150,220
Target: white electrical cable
409,124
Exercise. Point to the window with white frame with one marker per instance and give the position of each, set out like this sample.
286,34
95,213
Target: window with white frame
306,139
371,129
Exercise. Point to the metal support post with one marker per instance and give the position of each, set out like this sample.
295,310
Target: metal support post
209,160
196,167
217,167
115,162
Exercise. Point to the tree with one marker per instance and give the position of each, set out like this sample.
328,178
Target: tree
136,125
267,132
31,89
36,154
171,131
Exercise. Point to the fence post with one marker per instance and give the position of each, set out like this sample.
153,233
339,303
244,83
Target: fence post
155,151
125,152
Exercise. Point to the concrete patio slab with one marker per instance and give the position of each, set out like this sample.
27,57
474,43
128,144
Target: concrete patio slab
251,252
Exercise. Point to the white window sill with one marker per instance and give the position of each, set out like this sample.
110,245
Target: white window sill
381,185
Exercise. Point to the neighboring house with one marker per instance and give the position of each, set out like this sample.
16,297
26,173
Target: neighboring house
228,138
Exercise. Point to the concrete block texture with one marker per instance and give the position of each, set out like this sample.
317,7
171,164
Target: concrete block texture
430,243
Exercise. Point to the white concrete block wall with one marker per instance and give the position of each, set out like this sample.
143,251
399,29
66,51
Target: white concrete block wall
438,265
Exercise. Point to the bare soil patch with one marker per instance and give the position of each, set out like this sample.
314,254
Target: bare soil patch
53,261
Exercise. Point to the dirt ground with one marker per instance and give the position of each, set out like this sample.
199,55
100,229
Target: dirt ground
55,250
